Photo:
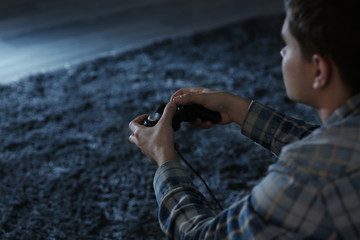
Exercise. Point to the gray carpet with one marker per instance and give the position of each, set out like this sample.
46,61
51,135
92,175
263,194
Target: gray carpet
67,170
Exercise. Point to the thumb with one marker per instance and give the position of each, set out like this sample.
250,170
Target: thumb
169,113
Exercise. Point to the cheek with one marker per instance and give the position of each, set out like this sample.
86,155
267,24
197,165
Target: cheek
290,75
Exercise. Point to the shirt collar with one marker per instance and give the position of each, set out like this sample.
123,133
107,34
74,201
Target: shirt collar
350,108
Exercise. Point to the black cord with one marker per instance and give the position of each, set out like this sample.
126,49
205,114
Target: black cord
199,176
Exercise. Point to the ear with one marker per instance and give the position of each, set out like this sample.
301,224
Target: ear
323,69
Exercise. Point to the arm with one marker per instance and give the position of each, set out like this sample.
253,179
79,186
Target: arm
286,204
263,125
183,212
272,129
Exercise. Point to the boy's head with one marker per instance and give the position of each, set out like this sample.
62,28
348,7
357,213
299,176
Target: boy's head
329,28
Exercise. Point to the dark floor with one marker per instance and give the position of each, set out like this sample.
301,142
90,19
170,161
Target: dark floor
42,35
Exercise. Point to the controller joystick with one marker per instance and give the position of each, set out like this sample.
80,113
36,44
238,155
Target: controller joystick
187,113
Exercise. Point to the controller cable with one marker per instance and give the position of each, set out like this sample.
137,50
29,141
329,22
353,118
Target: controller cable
199,176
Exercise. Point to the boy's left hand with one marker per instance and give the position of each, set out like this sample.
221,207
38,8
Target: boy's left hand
157,143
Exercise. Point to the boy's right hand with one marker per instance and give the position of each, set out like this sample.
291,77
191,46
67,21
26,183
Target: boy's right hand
231,108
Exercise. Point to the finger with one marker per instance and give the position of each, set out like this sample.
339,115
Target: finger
134,124
184,91
133,139
200,124
187,99
140,120
169,113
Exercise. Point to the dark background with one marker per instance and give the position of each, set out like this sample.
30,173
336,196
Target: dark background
42,35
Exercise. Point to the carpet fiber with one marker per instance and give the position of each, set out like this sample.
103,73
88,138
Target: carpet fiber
67,170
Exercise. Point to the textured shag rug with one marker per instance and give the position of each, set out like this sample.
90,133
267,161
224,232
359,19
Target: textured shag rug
67,170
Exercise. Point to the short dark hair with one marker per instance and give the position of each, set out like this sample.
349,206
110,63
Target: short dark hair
330,28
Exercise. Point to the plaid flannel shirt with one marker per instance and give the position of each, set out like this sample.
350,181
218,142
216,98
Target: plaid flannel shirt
311,192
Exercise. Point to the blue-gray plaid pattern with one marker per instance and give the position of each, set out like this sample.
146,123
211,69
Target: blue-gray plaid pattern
311,192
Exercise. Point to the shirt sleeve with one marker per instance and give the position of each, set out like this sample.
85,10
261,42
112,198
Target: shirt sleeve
309,193
185,214
284,205
273,130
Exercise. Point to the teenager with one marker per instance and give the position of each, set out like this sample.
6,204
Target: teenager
313,190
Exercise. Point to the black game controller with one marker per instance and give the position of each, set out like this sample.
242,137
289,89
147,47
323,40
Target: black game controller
187,113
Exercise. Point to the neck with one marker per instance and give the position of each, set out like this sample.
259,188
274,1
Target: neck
324,114
330,101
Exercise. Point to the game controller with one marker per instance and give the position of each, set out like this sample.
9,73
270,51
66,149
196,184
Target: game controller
187,113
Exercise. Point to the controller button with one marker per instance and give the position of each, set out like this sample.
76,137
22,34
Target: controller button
153,117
